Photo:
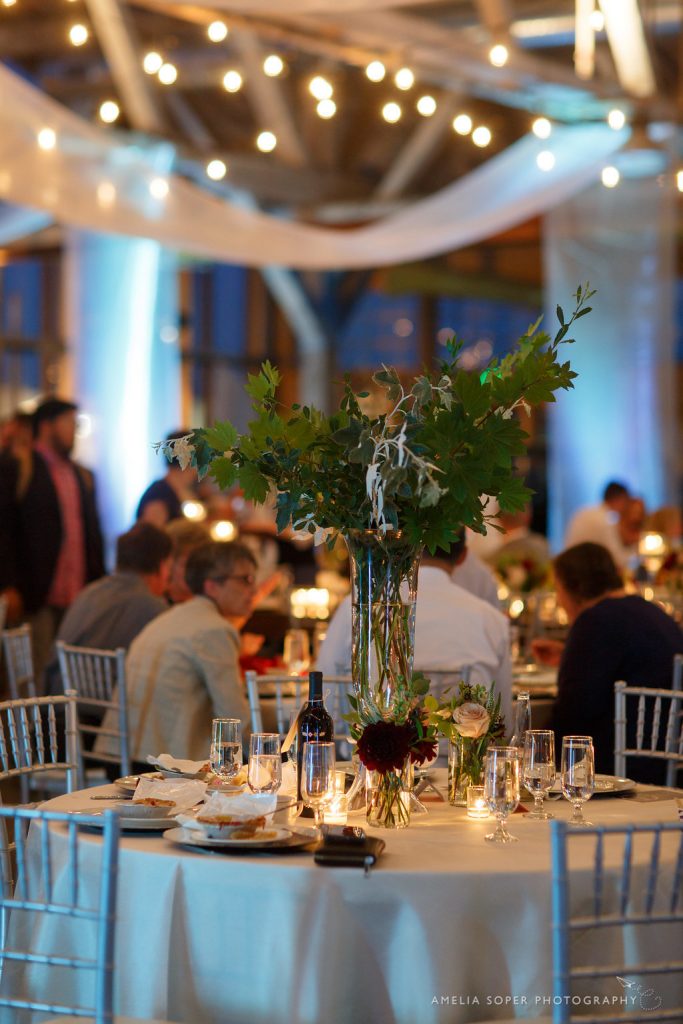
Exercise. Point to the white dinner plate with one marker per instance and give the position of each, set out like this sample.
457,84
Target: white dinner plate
127,824
605,785
191,837
129,783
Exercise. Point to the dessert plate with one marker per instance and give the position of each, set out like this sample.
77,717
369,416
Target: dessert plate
277,840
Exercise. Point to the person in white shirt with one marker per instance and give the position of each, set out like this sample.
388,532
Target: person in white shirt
599,524
182,670
475,576
453,629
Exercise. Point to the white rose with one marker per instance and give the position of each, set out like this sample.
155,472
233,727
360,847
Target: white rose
471,720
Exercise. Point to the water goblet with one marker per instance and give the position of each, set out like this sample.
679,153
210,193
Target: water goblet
538,768
578,774
501,789
265,763
226,748
318,777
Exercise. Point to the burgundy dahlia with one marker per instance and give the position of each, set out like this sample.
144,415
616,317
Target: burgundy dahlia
384,746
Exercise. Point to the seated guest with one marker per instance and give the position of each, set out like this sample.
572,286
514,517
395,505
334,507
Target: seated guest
185,536
453,629
474,575
518,541
111,612
182,670
163,500
613,636
599,524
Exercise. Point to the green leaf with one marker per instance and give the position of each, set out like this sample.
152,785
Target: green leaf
224,472
253,483
221,436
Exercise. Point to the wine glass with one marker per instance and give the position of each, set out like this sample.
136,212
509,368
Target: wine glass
297,652
501,788
578,774
265,763
318,777
538,768
226,748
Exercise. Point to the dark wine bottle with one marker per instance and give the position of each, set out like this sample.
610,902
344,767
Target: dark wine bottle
313,725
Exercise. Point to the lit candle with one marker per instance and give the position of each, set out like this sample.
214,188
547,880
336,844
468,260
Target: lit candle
336,812
476,804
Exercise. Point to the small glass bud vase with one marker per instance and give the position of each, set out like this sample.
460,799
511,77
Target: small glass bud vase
465,767
388,797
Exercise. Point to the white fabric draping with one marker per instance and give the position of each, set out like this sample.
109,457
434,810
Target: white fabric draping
93,180
17,222
446,930
297,6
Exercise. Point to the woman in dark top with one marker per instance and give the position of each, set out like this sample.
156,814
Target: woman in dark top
613,636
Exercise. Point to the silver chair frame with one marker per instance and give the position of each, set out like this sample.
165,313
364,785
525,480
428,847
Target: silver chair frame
34,893
672,752
632,912
27,753
99,679
16,645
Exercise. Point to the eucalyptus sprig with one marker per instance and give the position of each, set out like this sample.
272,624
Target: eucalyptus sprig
425,467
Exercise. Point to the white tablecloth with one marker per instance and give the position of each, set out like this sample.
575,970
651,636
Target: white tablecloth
447,929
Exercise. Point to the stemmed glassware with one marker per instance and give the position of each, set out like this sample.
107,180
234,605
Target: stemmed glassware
538,768
578,774
265,763
297,652
318,777
226,748
501,788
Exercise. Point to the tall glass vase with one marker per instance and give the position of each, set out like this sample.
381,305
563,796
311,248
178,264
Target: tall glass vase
384,591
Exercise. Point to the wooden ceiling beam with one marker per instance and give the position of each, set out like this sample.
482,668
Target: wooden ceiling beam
417,152
116,35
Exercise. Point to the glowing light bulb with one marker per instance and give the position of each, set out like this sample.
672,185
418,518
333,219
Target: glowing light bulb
610,177
679,181
545,161
106,194
217,31
158,188
481,136
498,55
109,111
391,112
326,109
167,74
216,170
597,21
462,124
78,35
222,530
375,71
266,142
616,119
404,79
47,138
542,128
426,105
320,88
8,3
273,65
152,62
232,81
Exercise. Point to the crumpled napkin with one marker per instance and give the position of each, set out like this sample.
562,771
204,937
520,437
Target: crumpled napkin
184,793
238,807
168,763
288,787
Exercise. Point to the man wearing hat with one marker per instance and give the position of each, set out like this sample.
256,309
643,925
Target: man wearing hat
50,538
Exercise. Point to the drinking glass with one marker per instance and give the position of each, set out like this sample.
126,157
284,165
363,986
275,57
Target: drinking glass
318,777
297,652
578,774
226,748
538,768
501,788
265,763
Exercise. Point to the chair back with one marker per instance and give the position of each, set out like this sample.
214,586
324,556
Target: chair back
632,890
659,725
99,679
33,741
16,645
284,694
48,884
444,681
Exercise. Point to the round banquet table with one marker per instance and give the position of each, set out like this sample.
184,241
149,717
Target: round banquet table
446,929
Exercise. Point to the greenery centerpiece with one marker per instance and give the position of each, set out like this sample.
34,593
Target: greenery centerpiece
471,720
408,478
